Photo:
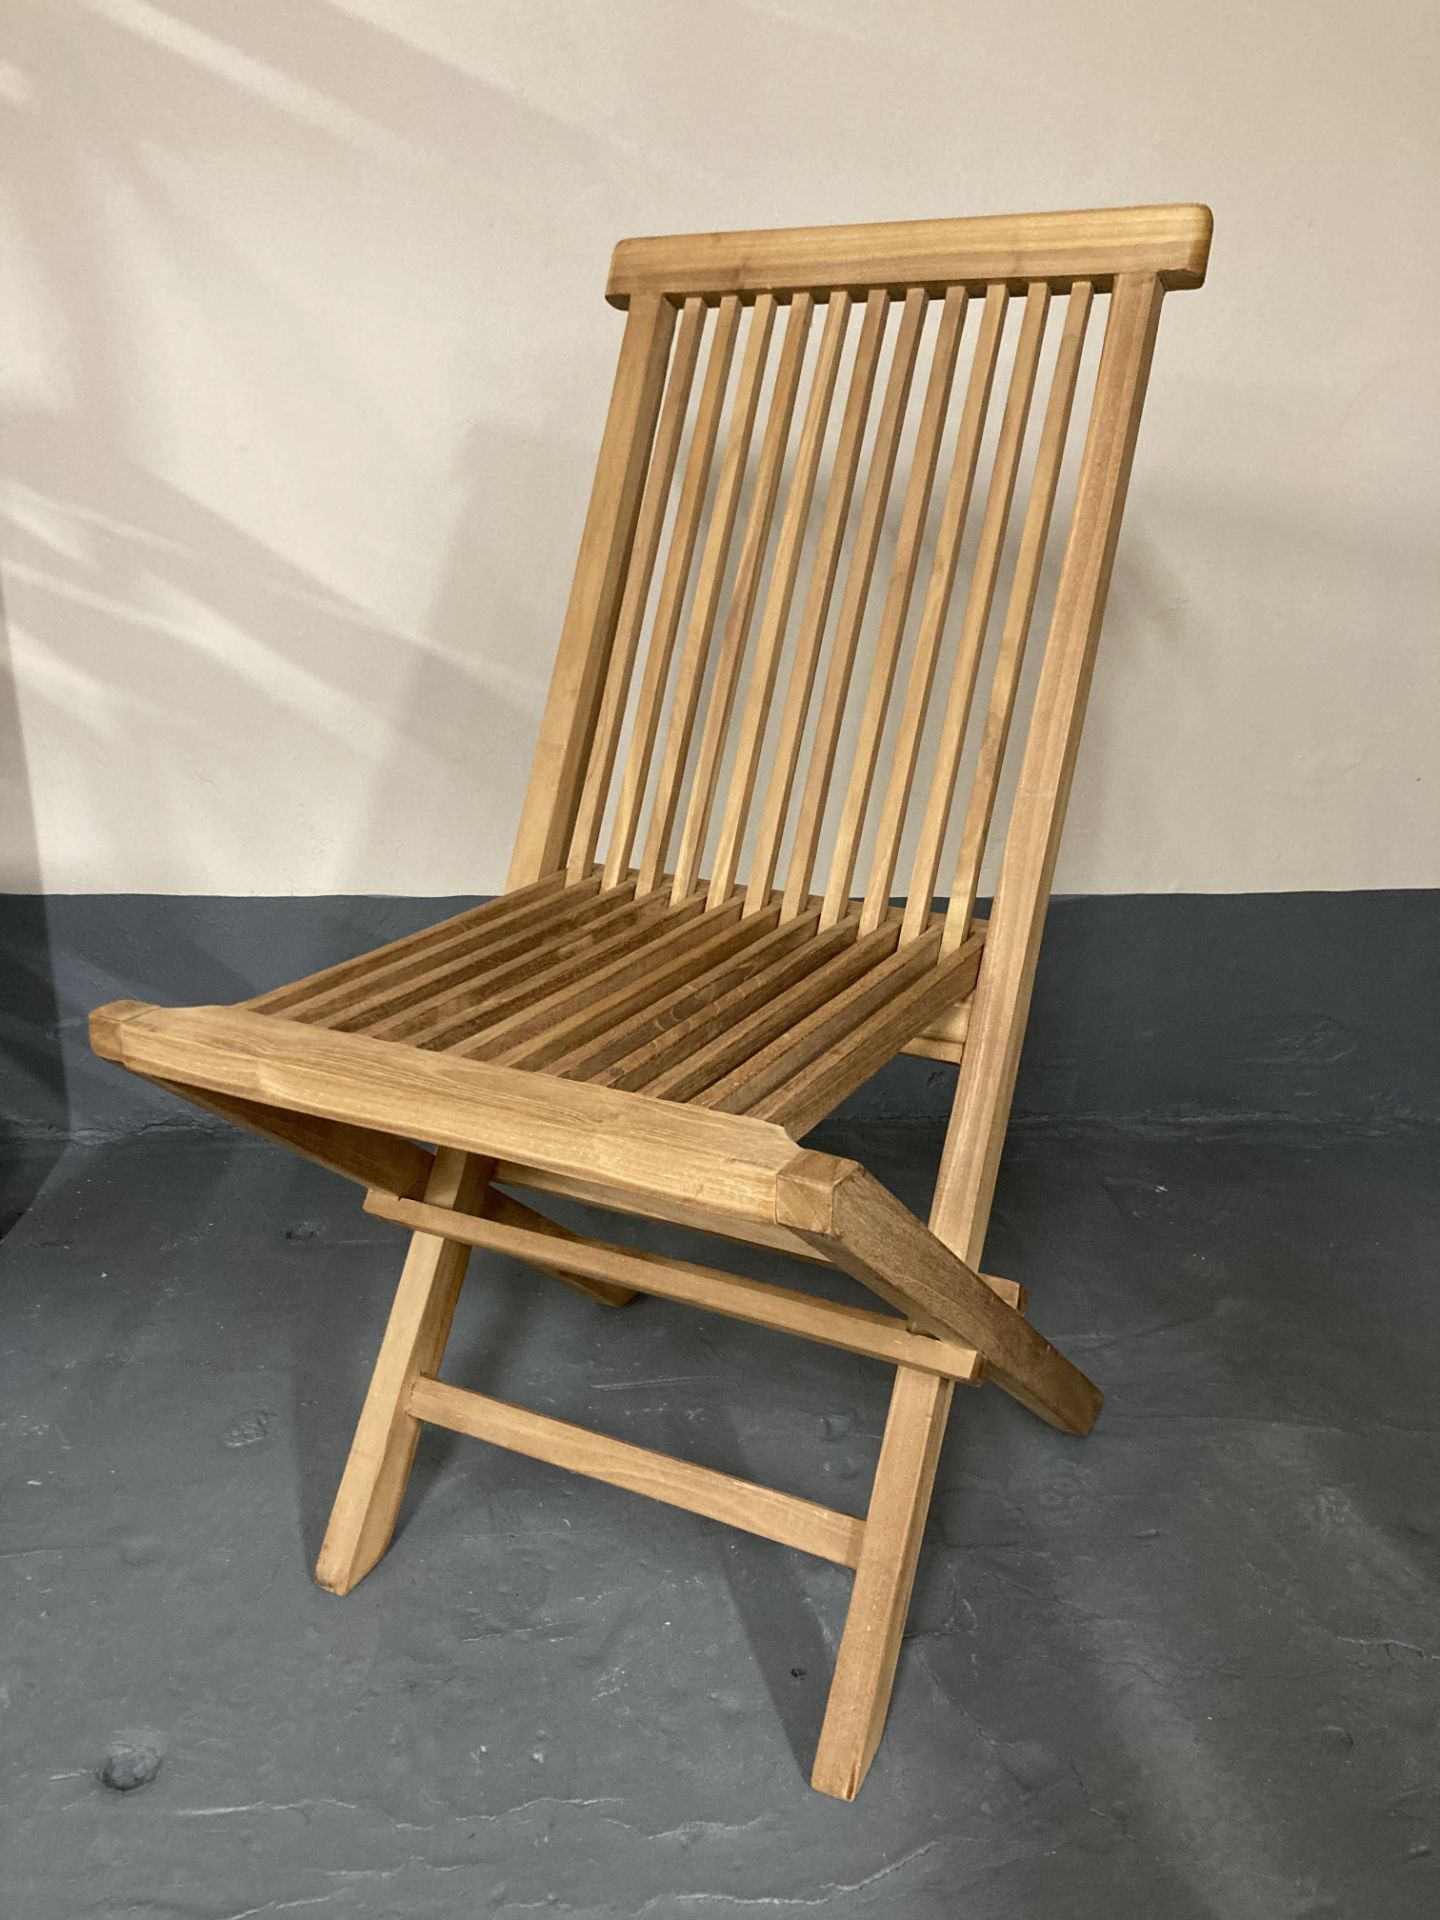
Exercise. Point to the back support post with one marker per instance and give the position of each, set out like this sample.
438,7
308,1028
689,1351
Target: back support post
971,1160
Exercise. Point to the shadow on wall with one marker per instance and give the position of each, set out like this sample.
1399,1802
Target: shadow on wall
140,612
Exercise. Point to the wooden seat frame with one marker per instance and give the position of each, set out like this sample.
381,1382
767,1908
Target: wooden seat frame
623,1028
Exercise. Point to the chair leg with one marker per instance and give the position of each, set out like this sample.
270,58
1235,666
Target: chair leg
367,1506
899,1502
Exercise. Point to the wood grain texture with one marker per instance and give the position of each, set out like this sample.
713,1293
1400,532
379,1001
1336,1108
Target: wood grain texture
476,928
1170,242
367,1505
840,1050
889,1554
724,1161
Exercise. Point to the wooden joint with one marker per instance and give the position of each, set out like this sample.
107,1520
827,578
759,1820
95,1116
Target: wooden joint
871,1235
807,1192
107,1024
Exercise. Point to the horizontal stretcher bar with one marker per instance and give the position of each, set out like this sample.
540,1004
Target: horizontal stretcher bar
877,1336
718,1496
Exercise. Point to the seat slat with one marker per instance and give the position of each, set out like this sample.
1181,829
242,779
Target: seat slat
860,1037
721,938
675,928
373,994
503,911
730,1003
591,1057
700,1069
824,1025
387,1003
459,1006
553,985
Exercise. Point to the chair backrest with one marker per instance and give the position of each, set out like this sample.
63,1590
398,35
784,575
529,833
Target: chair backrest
832,455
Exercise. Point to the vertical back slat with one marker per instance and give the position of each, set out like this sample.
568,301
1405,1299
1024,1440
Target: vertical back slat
1005,679
568,722
977,611
897,605
637,587
852,605
744,593
776,616
687,613
817,599
671,601
950,535
708,587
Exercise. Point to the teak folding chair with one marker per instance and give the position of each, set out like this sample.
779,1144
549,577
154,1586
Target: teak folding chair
684,976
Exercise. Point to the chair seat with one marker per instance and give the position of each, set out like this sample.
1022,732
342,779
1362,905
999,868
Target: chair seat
778,1017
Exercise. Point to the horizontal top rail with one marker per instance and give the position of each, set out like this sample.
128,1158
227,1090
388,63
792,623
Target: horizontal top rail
1016,249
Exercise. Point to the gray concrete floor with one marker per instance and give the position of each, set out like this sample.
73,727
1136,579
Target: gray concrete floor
1187,1667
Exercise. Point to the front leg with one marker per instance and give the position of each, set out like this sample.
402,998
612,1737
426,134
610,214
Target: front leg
368,1503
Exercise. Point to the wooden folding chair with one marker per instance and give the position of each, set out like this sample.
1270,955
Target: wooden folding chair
633,1023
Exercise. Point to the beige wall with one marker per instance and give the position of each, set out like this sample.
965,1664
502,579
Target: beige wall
305,362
